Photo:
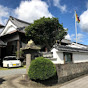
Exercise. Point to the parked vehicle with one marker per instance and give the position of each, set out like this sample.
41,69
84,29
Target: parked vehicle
11,61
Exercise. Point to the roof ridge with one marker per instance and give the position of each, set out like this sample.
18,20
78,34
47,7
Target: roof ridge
62,46
79,43
2,25
12,18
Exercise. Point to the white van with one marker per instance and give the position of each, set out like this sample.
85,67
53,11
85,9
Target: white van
11,61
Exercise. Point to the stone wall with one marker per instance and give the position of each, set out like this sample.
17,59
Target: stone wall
69,71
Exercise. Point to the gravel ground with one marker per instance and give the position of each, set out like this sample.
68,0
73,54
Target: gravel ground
17,81
20,81
14,78
10,82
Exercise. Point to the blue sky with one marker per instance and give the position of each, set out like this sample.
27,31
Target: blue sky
30,10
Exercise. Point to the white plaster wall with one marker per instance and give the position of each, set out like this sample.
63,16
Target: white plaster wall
80,57
58,56
77,57
9,28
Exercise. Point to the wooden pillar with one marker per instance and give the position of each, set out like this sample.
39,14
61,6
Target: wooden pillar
0,51
18,49
28,61
64,57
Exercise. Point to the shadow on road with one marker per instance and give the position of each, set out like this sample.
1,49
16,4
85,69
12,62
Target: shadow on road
2,80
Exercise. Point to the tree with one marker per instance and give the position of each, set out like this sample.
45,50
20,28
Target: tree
61,33
44,31
41,68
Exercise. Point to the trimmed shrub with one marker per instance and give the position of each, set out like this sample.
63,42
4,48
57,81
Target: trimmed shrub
41,69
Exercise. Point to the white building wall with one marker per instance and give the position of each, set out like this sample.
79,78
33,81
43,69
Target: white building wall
77,57
9,28
58,56
80,57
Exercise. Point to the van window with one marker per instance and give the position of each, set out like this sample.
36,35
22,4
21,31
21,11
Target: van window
10,58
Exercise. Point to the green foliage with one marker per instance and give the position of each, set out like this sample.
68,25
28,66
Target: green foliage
44,31
21,53
61,33
41,69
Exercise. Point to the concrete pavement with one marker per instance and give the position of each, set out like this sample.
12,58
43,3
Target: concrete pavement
79,83
12,72
9,77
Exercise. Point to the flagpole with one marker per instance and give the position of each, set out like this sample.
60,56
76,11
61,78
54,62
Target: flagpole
75,27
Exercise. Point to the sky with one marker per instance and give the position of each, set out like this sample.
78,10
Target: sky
30,10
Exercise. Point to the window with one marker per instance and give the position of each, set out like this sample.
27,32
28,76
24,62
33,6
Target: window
10,58
67,57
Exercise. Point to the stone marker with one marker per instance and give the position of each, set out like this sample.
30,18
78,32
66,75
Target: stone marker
31,50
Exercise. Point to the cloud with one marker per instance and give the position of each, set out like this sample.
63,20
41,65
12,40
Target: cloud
79,37
32,10
68,37
72,37
5,12
61,7
84,21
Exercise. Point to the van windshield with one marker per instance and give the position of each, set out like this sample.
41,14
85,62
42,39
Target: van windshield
10,58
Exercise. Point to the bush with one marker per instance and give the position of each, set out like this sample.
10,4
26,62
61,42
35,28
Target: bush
41,69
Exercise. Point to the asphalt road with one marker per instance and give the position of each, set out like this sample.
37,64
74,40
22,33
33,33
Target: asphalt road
12,72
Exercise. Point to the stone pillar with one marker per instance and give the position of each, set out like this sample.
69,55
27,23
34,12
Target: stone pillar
30,50
28,61
18,49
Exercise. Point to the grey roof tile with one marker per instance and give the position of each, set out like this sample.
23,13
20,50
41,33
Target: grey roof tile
2,26
65,41
70,49
19,23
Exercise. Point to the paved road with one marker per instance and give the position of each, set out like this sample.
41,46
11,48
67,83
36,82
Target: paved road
80,83
12,72
8,78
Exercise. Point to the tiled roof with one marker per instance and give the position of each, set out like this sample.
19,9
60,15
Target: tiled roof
70,49
19,23
65,41
2,26
2,43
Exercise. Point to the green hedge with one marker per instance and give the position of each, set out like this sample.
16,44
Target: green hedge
41,69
